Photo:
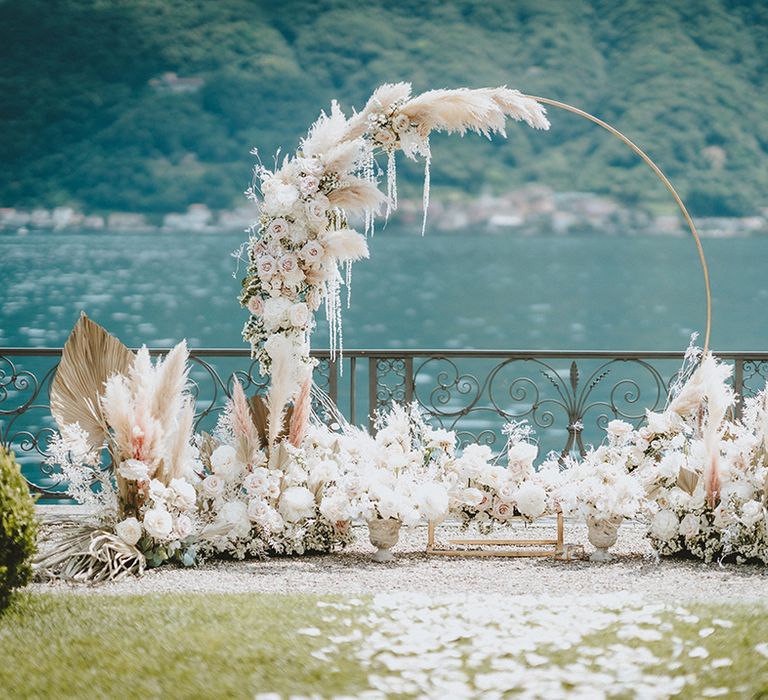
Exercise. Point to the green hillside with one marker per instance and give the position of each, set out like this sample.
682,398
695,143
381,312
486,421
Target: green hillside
86,118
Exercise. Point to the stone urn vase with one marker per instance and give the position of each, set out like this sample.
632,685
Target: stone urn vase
383,533
602,534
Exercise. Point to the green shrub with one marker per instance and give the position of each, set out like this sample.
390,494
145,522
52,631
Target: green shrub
18,528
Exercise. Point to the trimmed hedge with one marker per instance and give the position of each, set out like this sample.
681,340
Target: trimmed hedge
18,528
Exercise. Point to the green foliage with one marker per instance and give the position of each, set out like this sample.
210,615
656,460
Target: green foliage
18,528
83,121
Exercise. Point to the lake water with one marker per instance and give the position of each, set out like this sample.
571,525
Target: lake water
440,291
459,291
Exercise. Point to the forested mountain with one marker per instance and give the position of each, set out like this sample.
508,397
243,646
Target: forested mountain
91,113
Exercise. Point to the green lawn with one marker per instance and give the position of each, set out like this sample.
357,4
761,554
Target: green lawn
238,645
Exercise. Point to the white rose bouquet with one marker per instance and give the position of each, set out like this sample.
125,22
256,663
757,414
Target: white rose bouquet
484,493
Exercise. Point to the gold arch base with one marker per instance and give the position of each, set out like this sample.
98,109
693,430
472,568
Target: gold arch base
556,547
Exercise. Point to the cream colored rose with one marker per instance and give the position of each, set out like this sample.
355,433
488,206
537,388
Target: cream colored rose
297,503
129,530
158,523
133,470
298,315
665,525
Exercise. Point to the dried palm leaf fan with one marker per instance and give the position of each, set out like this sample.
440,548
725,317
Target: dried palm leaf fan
91,356
556,547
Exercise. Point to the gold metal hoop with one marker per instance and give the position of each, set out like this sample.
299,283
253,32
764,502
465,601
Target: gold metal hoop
657,171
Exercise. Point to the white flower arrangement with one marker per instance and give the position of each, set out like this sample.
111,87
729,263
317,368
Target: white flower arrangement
487,494
394,474
147,498
254,502
601,486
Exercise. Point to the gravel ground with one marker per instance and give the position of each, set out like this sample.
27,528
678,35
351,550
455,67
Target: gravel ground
351,572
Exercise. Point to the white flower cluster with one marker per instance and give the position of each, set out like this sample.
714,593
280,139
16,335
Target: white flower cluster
485,493
252,505
395,474
600,486
166,528
707,484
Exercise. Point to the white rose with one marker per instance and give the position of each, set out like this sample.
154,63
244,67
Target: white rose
501,510
256,305
133,470
258,510
224,462
665,525
158,523
311,166
183,494
235,514
256,481
279,196
531,500
276,312
752,512
157,490
312,252
689,525
183,527
401,123
385,137
619,430
432,500
266,267
278,227
316,211
335,507
129,530
308,184
212,486
297,503
523,453
298,315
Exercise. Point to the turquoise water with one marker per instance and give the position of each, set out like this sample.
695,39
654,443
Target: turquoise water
474,291
440,291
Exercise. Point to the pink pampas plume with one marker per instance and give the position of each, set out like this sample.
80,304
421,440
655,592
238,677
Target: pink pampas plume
713,481
242,420
302,408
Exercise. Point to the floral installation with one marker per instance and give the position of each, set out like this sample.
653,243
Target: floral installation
255,501
394,474
601,485
302,235
486,494
145,500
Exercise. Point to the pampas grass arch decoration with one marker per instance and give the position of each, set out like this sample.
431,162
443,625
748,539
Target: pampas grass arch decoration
302,237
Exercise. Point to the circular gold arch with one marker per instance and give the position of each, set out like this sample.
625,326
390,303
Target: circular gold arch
657,171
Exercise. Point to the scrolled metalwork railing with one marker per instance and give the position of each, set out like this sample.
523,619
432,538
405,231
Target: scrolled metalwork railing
567,397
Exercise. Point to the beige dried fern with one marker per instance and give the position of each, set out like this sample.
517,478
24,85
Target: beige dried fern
91,356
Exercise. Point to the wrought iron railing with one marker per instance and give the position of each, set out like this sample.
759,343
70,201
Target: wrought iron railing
568,397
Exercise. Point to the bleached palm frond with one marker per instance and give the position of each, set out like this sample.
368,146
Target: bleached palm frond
345,245
357,195
90,357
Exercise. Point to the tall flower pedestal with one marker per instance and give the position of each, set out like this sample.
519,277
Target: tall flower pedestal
383,534
602,534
